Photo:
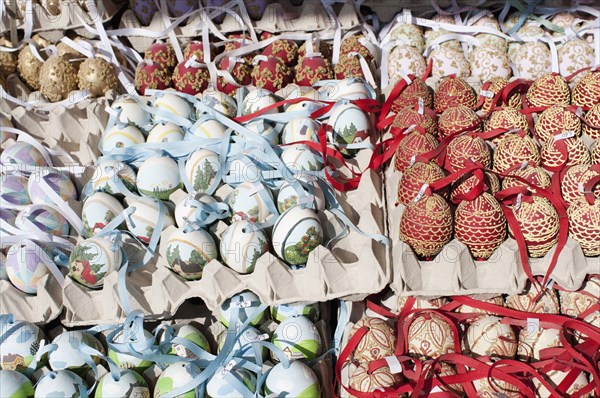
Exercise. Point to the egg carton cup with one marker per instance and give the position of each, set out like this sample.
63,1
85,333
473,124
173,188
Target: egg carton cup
43,307
454,272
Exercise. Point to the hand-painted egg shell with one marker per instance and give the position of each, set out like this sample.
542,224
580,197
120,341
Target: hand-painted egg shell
285,50
68,354
449,61
19,348
248,304
429,336
208,129
144,10
458,119
535,175
596,152
593,319
218,101
414,144
186,209
347,88
557,377
538,220
426,225
44,218
554,158
414,177
496,300
296,234
300,129
326,49
409,116
176,376
257,99
488,336
514,149
15,384
350,66
535,302
145,216
359,44
271,74
467,183
92,259
219,386
62,383
172,104
243,345
98,210
419,303
8,59
586,92
311,70
121,136
241,72
465,149
189,252
161,53
531,342
452,92
247,203
493,387
363,380
58,77
298,380
403,61
58,181
242,244
14,189
350,125
576,176
22,155
409,34
411,95
575,303
179,8
548,90
128,339
489,61
377,343
195,48
584,225
201,169
189,333
158,177
506,118
555,120
265,130
592,119
532,60
153,76
130,111
108,172
165,132
298,338
527,31
97,76
190,79
301,157
283,311
288,197
574,55
129,383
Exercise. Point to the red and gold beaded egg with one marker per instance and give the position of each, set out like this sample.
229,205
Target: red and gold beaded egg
458,119
533,174
378,342
480,224
454,91
494,86
195,48
592,126
596,152
535,302
349,66
429,336
465,149
539,223
586,92
491,185
411,95
354,44
575,177
575,153
414,177
415,143
584,225
324,48
241,72
426,225
409,116
556,120
506,118
575,303
161,53
312,69
549,89
271,74
151,75
514,149
285,50
190,78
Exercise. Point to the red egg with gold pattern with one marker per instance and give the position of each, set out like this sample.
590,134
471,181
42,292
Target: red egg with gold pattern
190,78
271,73
454,91
584,225
415,143
410,116
539,223
411,95
491,88
556,120
162,54
468,182
414,177
151,75
240,72
514,149
465,149
586,92
311,70
575,153
547,90
577,177
592,126
458,119
285,50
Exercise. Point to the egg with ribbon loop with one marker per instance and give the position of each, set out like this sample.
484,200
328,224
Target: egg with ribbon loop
536,176
300,157
257,99
128,383
538,221
351,125
201,169
548,90
207,128
514,149
584,225
186,209
240,72
176,376
283,311
297,232
14,190
363,380
58,77
314,197
165,132
191,76
187,253
311,69
92,259
574,181
23,156
378,342
217,100
490,94
185,332
271,73
29,66
248,201
243,346
158,177
151,75
405,60
466,149
300,129
298,380
121,136
430,335
413,144
19,347
68,354
125,341
107,173
44,218
248,304
454,91
298,338
534,301
242,244
145,216
458,119
409,116
62,383
586,92
97,76
14,384
487,335
54,180
414,177
169,103
219,386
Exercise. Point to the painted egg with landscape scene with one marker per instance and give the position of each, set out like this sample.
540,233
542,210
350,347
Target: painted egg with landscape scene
296,234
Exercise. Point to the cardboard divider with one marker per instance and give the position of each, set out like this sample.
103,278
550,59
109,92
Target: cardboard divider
42,307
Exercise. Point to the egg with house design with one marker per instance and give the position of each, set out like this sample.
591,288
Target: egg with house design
248,201
145,216
158,177
242,244
20,343
350,124
188,253
92,259
298,338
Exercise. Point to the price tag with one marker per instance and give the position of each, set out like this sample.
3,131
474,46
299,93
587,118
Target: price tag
579,112
225,369
241,304
487,94
421,193
564,135
436,389
523,165
533,325
263,337
581,187
421,106
413,159
393,364
409,129
518,204
549,284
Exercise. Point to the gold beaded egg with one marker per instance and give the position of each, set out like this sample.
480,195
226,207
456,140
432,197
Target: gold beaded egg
414,177
586,92
584,225
539,223
97,76
458,119
29,65
8,60
465,149
58,78
514,149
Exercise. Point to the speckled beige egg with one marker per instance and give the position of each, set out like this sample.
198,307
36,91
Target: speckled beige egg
576,303
58,78
555,378
525,32
488,61
365,381
97,76
488,336
404,60
532,60
574,55
449,61
8,60
534,302
29,65
532,341
410,35
429,336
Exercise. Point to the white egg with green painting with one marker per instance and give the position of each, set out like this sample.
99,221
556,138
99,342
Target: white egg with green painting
247,304
298,338
264,129
15,385
297,232
98,210
257,99
176,376
288,195
299,157
185,332
217,100
128,384
92,259
188,252
347,89
126,340
130,111
201,169
108,172
300,129
350,125
247,202
69,352
165,132
121,136
158,176
242,244
62,383
243,346
283,311
19,344
218,386
145,216
298,380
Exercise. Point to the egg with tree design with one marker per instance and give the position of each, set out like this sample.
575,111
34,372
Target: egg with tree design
296,234
188,253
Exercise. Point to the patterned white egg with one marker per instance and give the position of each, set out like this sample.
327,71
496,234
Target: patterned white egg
298,338
125,360
45,218
556,377
121,136
165,132
219,386
68,354
158,177
434,35
301,157
129,384
172,104
23,155
300,129
489,21
108,172
488,336
175,376
130,111
145,216
265,130
62,383
208,129
350,125
248,304
525,32
404,60
57,181
283,311
242,244
298,380
296,234
447,61
243,345
410,35
247,203
98,210
188,252
532,60
257,99
574,55
186,209
488,61
218,101
288,197
25,268
17,350
201,168
531,342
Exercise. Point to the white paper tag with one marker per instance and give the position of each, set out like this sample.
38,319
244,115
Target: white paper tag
523,165
579,112
421,193
564,135
263,337
413,159
393,364
549,284
421,106
533,325
581,187
241,304
436,389
226,369
518,204
487,94
409,129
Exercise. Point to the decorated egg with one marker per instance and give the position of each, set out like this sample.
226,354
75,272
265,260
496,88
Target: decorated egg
144,10
161,53
359,44
491,88
97,76
549,89
300,129
495,300
326,49
449,61
574,55
349,88
57,181
539,223
363,380
312,69
506,118
248,304
300,157
68,354
240,74
271,73
592,319
487,335
575,303
285,50
514,149
377,343
283,311
62,383
467,148
575,152
434,39
70,54
298,380
350,66
158,177
350,125
426,225
18,349
584,225
176,376
15,384
429,336
545,302
419,303
417,90
127,384
409,34
557,378
265,130
218,101
288,197
596,152
248,203
23,155
14,189
191,77
414,144
405,60
151,75
219,386
29,66
189,333
535,175
201,169
3,274
165,132
108,172
93,258
195,48
257,99
58,77
188,252
458,119
44,218
172,104
121,136
186,209
296,233
298,338
469,182
532,59
532,341
592,119
586,92
575,177
242,244
179,8
414,177
491,387
454,91
142,222
5,135
243,346
207,128
489,61
125,340
409,116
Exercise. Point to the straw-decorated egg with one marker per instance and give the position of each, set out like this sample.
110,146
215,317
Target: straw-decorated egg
468,182
575,153
454,91
415,143
285,50
301,157
174,377
29,65
129,382
63,383
98,210
405,60
591,127
257,99
185,332
495,300
506,118
465,149
161,53
248,202
152,75
514,149
25,268
494,86
18,349
298,338
573,55
298,380
414,177
531,342
426,225
15,384
409,116
411,94
296,234
8,59
108,172
549,89
429,336
92,259
419,303
356,44
179,8
142,222
190,78
300,129
363,380
158,177
54,180
532,59
351,125
121,136
144,10
535,175
171,103
489,61
377,343
130,111
97,76
14,189
480,224
312,69
68,354
244,345
575,177
458,119
409,34
42,217
576,303
248,304
556,120
188,252
283,311
288,196
539,223
556,377
58,78
23,155
533,301
449,61
487,335
584,225
586,92
218,101
201,169
242,244
165,132
241,73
